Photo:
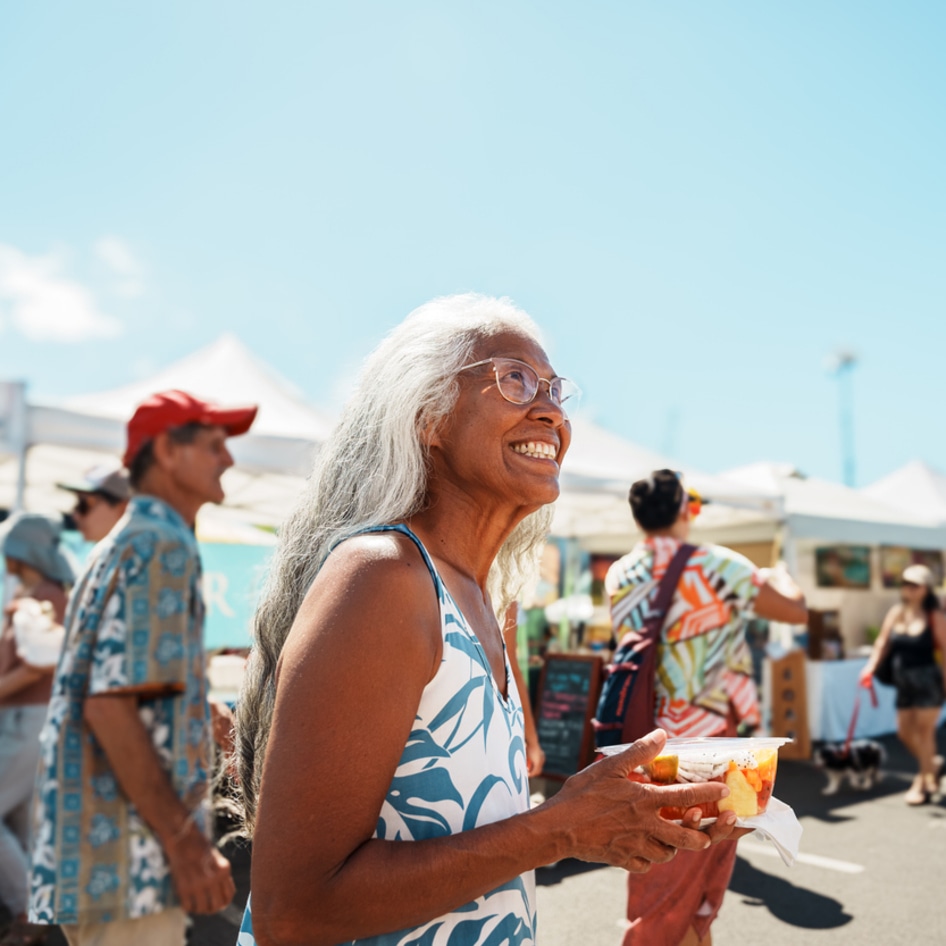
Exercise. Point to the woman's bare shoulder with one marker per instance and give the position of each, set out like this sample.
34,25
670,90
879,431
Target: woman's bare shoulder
367,583
894,613
375,558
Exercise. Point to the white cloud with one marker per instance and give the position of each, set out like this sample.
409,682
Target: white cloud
117,255
45,305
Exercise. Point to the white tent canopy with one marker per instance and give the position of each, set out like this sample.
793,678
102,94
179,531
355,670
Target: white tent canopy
598,471
282,439
65,439
830,512
916,488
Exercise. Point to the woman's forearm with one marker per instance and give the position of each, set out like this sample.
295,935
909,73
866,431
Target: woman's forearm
18,679
413,882
387,885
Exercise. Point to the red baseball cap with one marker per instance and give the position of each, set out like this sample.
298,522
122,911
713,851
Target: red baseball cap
170,409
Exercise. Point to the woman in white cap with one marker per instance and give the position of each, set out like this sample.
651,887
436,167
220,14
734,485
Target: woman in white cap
911,634
32,554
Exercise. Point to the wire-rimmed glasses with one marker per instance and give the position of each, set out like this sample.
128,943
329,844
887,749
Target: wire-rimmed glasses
519,382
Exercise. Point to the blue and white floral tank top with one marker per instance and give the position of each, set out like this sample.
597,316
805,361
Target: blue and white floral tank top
464,765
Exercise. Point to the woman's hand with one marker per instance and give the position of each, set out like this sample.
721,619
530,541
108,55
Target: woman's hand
535,758
616,821
723,829
866,678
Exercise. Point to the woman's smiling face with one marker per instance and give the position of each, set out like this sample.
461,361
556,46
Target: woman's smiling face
492,447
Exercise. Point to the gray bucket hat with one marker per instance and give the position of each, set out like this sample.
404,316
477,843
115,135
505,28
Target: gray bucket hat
34,539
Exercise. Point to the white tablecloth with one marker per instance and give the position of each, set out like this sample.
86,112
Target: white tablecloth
832,690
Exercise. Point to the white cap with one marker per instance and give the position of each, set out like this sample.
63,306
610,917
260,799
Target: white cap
108,478
918,575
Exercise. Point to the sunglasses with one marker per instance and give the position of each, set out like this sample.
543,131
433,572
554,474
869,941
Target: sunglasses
909,584
83,506
519,383
694,502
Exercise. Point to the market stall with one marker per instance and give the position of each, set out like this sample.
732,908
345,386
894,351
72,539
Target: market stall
57,442
847,550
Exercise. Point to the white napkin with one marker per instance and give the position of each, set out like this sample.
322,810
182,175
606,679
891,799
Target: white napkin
779,825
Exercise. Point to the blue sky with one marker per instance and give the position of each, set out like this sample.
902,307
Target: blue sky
698,202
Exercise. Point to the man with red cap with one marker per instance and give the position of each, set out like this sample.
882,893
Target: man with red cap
121,851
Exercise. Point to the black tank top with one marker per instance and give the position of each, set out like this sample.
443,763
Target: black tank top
913,650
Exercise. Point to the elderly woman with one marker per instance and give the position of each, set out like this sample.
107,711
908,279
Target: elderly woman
912,632
32,555
381,738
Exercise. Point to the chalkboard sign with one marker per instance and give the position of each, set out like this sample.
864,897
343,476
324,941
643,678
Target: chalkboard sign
567,699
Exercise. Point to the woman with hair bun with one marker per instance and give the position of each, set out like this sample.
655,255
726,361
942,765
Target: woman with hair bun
703,684
912,632
380,735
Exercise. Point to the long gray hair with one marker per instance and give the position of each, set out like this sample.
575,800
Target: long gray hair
373,471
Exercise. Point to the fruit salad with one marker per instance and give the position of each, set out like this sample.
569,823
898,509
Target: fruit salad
746,766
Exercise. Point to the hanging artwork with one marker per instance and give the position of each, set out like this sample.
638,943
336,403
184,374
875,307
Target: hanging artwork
843,566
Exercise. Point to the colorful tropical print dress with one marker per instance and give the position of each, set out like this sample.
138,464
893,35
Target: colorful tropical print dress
704,675
464,765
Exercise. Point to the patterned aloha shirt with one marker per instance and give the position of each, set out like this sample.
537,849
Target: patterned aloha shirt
135,620
704,662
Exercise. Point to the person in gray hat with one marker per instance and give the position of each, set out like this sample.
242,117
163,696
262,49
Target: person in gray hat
32,553
101,498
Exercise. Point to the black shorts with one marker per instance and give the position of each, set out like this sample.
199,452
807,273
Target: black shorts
919,687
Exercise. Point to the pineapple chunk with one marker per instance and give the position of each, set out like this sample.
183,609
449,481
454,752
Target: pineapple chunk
742,797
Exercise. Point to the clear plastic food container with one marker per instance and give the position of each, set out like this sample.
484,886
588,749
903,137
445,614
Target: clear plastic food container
746,766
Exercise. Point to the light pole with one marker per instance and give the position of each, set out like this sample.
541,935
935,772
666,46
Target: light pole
841,364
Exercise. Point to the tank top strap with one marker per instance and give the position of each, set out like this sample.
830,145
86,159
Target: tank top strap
404,530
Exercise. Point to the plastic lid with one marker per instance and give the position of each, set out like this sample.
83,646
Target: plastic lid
685,746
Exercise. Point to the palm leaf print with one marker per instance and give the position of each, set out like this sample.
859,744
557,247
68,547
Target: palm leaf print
414,798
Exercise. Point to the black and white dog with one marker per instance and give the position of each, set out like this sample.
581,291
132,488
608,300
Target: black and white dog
860,765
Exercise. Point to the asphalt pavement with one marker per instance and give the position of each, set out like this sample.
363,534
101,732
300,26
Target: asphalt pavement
871,871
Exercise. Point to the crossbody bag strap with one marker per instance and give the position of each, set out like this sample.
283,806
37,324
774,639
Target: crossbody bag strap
667,588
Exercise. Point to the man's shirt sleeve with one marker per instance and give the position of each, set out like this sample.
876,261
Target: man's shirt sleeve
145,620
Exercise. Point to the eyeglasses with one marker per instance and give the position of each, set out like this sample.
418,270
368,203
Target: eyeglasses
519,383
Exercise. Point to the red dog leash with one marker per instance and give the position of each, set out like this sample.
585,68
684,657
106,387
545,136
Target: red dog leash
857,709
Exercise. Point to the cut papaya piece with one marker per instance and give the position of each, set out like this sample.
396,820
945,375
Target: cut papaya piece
767,760
663,769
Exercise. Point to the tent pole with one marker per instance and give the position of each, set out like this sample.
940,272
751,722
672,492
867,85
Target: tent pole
786,557
22,447
14,434
570,576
